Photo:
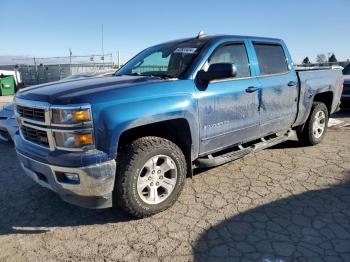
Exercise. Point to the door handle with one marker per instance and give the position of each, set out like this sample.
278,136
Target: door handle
252,89
292,83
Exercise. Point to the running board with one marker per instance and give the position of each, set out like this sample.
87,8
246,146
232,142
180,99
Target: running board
242,150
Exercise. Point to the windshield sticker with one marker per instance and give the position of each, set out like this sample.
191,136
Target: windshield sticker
185,50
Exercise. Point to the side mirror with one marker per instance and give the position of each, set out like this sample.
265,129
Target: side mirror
217,71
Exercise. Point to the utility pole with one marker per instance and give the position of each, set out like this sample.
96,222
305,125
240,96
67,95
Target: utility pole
103,52
70,61
36,71
118,58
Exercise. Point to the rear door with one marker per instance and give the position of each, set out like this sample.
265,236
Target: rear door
279,95
228,114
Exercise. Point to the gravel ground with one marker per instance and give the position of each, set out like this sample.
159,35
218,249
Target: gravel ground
287,203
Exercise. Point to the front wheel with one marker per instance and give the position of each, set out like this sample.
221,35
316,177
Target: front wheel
316,126
151,172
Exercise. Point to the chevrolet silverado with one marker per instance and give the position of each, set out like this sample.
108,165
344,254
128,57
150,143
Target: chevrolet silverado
129,140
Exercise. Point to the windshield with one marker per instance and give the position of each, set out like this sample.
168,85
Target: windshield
346,70
170,60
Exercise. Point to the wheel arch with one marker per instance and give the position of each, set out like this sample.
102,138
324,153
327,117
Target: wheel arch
177,130
325,98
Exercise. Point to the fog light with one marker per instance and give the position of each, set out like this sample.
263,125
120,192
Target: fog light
72,177
67,178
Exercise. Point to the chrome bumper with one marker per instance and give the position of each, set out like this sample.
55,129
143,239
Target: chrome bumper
96,181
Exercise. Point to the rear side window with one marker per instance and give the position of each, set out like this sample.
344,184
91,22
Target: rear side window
271,59
233,54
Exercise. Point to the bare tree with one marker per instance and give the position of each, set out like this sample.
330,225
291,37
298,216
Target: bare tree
321,58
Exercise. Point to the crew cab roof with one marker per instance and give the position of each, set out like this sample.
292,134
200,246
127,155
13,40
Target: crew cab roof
223,37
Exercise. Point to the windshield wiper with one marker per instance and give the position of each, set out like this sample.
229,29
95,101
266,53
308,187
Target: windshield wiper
133,74
163,76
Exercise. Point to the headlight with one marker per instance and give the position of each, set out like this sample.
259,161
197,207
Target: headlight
71,116
74,140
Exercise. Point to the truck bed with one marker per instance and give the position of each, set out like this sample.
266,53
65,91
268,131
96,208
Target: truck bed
316,81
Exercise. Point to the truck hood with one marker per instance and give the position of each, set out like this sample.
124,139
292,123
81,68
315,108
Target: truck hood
82,90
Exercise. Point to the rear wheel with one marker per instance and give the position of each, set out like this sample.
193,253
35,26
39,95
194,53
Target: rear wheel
316,126
151,172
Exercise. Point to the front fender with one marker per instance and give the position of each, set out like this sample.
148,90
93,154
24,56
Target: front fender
115,119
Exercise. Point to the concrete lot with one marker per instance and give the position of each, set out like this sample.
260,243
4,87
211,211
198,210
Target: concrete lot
287,202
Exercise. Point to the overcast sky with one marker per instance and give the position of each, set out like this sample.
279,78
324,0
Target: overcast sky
49,28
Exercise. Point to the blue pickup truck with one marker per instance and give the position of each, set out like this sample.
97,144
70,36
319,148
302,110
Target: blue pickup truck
129,140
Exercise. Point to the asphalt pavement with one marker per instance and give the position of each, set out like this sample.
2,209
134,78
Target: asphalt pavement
286,203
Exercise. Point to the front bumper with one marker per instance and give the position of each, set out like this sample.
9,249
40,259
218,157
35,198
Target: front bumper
93,190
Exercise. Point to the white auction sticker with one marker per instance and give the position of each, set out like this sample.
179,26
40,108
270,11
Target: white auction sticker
185,50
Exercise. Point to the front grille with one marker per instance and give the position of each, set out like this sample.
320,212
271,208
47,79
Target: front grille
31,113
346,90
35,136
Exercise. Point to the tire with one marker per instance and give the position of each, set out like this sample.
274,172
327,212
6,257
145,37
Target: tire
141,163
311,134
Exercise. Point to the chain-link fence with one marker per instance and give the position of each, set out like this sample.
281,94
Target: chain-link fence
39,74
36,70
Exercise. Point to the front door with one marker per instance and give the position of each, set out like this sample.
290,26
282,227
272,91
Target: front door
228,108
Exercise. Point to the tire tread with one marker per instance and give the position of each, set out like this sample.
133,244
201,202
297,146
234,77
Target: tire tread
127,160
305,136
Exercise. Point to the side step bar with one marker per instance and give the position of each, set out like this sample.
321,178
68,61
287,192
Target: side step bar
242,150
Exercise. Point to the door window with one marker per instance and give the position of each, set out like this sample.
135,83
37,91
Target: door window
271,59
233,54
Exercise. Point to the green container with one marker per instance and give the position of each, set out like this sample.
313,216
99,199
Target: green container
7,86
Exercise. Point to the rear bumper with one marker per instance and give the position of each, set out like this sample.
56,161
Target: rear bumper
92,190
